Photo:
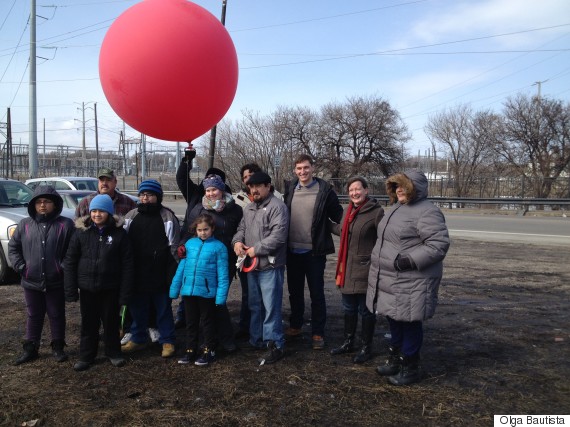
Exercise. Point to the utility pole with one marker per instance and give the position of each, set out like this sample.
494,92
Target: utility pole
33,126
212,151
96,140
539,85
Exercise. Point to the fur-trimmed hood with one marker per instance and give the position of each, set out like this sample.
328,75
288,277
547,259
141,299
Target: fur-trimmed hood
414,183
83,223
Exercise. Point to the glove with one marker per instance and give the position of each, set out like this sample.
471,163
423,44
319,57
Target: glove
189,153
181,251
403,263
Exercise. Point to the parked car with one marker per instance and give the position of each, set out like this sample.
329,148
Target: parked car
65,182
71,198
14,199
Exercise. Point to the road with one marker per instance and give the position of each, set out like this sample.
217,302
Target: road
551,231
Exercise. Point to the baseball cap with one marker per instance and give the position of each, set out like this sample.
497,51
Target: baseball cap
106,172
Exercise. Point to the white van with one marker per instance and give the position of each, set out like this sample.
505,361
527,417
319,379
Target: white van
65,182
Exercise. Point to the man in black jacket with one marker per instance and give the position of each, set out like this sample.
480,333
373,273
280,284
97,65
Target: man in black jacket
312,202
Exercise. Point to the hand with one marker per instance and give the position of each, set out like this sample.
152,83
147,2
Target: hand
239,248
181,251
189,153
403,263
250,252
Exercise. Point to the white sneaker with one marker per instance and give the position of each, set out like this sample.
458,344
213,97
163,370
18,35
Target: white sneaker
154,334
126,338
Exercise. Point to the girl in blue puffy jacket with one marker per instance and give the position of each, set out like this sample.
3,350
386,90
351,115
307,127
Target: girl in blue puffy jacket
202,280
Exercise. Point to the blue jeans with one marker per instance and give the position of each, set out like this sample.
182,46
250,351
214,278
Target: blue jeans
408,336
354,304
299,267
265,304
139,308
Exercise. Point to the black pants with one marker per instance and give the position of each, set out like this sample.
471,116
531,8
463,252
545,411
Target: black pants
97,308
200,312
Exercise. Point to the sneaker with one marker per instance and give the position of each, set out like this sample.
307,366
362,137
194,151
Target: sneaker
273,354
293,332
318,342
207,357
154,334
126,338
168,350
117,362
132,346
81,366
189,357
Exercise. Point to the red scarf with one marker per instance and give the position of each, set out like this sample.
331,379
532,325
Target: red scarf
343,249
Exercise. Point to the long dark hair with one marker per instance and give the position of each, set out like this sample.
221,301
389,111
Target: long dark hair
208,219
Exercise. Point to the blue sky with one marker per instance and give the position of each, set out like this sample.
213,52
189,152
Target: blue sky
422,56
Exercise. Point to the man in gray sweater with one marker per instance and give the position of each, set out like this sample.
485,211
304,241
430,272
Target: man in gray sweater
261,236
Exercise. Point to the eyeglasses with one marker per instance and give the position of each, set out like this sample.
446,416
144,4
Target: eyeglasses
147,195
44,202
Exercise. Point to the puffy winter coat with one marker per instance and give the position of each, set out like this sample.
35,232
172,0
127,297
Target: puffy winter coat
415,229
204,271
361,239
326,206
39,244
99,260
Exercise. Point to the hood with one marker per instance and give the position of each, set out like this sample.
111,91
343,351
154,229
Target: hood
413,182
420,183
45,192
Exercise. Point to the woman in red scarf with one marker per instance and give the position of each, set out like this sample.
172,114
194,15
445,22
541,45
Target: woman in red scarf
358,235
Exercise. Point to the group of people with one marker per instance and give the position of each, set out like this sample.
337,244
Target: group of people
121,254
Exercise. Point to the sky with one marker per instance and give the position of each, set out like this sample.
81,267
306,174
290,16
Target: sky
422,56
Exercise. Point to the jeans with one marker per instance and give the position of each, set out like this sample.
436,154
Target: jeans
408,336
299,267
39,303
265,305
140,311
354,304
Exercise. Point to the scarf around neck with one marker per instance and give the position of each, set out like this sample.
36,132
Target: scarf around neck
343,249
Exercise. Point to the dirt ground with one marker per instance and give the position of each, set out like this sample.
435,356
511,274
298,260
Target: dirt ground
498,344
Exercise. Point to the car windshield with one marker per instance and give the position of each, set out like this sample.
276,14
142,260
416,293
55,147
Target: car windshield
14,193
85,184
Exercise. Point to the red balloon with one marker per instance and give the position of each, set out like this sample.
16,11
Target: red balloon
169,69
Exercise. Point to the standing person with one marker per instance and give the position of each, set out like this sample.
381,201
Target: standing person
99,263
312,202
107,185
262,235
406,269
36,250
202,280
358,235
220,205
154,231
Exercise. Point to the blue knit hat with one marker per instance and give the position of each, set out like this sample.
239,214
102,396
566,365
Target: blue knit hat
102,202
151,185
214,181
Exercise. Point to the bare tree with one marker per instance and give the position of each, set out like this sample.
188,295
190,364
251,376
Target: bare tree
536,137
466,137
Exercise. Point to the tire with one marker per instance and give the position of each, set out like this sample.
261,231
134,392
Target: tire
3,268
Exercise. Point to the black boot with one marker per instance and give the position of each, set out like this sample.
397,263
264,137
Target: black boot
368,324
57,350
392,364
350,321
30,353
410,371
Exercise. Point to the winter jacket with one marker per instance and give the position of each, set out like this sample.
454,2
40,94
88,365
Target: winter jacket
38,246
226,224
361,239
154,232
99,260
265,227
416,229
204,271
327,207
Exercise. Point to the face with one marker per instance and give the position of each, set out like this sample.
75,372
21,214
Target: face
357,193
401,195
213,193
44,206
204,231
304,172
107,185
259,192
148,197
246,174
99,217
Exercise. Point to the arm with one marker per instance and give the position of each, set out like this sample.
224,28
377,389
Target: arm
333,208
177,280
435,239
127,270
223,275
70,268
15,252
278,232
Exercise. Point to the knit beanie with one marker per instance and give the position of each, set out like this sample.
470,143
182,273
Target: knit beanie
152,186
214,181
102,202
